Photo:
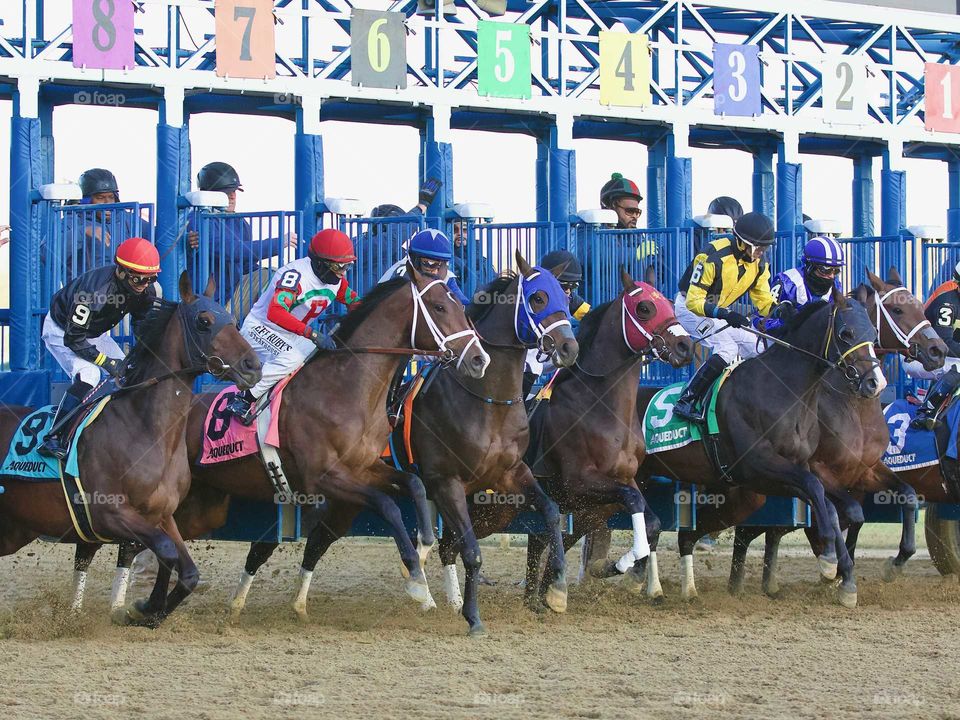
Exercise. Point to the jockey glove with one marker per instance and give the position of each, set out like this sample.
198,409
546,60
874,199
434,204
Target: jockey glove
733,318
785,311
112,366
322,340
429,190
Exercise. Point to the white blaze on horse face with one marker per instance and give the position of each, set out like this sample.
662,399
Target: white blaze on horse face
877,372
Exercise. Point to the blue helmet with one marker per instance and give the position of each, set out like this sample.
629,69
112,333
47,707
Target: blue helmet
823,251
432,244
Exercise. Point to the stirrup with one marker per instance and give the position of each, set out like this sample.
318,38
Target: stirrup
245,412
924,422
52,447
690,412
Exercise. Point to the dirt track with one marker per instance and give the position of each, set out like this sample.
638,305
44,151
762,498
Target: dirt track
368,652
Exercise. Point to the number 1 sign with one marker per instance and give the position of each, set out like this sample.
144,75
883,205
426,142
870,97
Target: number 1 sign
503,59
941,97
736,80
103,34
246,46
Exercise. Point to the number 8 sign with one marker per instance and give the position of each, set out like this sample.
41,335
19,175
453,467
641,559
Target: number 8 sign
103,34
736,80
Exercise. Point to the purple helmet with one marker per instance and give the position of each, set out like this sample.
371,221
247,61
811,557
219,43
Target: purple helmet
823,251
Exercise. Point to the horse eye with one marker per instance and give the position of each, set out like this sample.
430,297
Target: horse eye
898,311
203,322
644,311
439,308
846,335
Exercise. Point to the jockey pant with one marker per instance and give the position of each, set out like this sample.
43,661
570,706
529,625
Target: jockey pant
72,363
914,369
728,343
280,352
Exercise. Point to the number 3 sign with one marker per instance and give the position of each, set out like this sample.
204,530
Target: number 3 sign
941,97
736,80
503,59
246,45
378,49
103,34
625,69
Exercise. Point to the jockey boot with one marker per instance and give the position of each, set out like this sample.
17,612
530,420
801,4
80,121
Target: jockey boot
52,445
937,397
243,407
688,405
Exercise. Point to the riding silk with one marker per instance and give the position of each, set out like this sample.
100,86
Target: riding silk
790,286
910,448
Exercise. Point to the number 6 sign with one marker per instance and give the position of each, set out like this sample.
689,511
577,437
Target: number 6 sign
378,49
246,45
736,80
941,85
103,34
503,59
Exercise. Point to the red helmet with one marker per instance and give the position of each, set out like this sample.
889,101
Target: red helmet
138,255
332,245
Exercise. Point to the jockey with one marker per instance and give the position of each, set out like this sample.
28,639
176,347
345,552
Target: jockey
719,276
943,312
814,280
278,326
430,252
77,329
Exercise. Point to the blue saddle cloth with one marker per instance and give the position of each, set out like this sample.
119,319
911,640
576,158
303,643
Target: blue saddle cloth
909,448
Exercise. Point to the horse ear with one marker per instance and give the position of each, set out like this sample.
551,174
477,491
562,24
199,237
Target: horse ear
875,281
893,277
186,288
522,264
211,287
861,294
838,298
628,283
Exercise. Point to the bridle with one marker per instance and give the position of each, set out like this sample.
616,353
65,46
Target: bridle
442,341
522,311
913,349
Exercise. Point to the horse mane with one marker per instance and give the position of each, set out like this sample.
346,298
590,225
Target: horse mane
586,334
148,334
477,311
803,315
365,308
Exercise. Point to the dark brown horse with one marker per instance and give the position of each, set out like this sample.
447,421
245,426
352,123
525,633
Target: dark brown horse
468,436
588,439
134,456
769,442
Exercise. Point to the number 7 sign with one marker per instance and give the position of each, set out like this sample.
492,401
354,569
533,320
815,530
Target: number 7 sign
941,97
246,45
625,69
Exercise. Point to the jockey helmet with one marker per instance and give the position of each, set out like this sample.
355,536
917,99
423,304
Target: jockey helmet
218,176
725,205
333,246
430,243
823,251
387,210
755,228
618,186
572,273
98,180
138,256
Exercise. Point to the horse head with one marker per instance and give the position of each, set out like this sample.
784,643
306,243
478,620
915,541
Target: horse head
849,345
900,321
542,315
439,323
211,339
649,323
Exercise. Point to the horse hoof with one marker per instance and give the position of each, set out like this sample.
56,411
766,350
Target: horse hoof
846,598
890,571
556,598
534,604
634,582
772,590
429,605
601,569
301,610
658,600
418,590
828,570
735,589
774,594
137,617
477,630
120,616
690,596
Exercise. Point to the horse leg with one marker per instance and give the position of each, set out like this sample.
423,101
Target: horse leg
187,573
329,528
893,567
654,589
425,534
126,552
842,502
82,557
258,554
825,553
742,538
593,555
449,547
771,560
459,537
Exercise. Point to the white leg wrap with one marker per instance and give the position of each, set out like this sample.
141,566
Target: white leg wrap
118,594
641,547
688,588
451,586
239,598
300,601
654,589
79,587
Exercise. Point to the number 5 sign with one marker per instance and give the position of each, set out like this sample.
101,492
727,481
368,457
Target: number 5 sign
378,49
941,97
624,69
103,34
245,42
736,80
503,59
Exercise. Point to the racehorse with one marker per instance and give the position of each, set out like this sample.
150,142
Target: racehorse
468,436
332,422
134,455
588,442
767,444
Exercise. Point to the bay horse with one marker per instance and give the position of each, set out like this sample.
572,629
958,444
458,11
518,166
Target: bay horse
468,436
134,455
588,440
769,441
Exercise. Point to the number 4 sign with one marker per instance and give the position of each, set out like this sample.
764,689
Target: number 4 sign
941,97
246,45
503,59
625,69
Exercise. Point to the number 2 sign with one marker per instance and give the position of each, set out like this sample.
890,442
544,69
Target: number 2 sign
736,80
503,59
941,97
625,69
103,34
246,45
844,88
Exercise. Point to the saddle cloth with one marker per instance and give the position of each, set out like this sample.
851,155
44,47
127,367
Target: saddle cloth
910,448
